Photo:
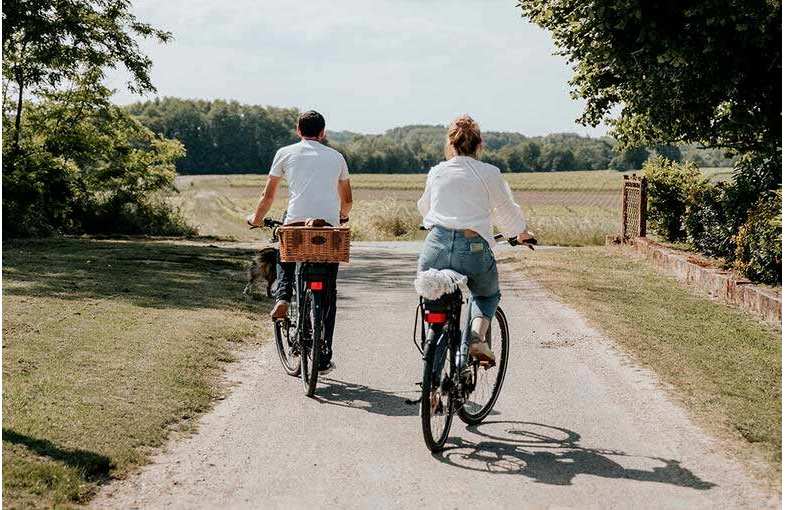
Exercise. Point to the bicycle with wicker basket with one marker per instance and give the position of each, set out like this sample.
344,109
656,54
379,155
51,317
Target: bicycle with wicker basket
299,337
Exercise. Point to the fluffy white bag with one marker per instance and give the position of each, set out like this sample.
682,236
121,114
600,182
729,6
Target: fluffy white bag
434,283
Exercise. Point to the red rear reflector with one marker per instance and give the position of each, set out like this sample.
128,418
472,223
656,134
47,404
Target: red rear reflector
435,318
316,285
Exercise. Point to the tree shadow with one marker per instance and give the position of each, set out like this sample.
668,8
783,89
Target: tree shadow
365,398
552,455
92,466
144,272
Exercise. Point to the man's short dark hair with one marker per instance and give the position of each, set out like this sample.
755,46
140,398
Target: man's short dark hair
310,123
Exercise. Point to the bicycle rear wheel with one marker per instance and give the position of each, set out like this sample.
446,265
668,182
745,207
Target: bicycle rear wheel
287,342
310,341
436,402
488,381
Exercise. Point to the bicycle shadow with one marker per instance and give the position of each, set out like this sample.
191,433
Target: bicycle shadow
359,396
552,455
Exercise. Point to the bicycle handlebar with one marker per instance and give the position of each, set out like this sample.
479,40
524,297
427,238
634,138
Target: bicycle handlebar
512,241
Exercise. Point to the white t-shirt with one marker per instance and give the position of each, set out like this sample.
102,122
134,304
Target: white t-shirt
464,193
312,171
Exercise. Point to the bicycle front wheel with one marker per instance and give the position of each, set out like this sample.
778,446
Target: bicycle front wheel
488,380
436,401
310,341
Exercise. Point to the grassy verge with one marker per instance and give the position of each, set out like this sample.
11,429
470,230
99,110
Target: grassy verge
723,364
108,347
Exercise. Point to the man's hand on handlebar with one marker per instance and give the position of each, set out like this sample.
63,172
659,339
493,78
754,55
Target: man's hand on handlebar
252,221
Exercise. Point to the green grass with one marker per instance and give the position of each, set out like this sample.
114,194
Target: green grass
725,365
585,181
108,347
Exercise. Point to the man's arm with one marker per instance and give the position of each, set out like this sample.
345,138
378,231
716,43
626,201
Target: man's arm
266,200
345,194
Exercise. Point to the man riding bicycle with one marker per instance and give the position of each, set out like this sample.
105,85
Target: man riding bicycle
319,189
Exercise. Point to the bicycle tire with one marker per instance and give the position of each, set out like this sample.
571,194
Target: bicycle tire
435,444
309,358
287,346
474,418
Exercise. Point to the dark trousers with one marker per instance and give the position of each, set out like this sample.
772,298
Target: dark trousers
284,288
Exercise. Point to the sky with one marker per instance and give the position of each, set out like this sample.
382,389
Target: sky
367,65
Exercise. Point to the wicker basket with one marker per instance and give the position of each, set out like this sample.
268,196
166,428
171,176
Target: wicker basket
314,244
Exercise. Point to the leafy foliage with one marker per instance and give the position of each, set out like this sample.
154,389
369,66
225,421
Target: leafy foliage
759,241
697,72
74,162
91,167
220,136
708,221
228,137
670,185
691,71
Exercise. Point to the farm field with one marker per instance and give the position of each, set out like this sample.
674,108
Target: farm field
562,208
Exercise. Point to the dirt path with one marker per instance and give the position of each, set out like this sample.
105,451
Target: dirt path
578,425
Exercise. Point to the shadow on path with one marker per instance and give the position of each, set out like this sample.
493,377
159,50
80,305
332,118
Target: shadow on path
552,455
359,396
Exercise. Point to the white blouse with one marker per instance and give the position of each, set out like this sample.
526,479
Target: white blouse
464,193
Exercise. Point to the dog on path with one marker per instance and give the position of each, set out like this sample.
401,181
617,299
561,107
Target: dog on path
262,270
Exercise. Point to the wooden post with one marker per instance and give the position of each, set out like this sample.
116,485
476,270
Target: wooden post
644,200
624,209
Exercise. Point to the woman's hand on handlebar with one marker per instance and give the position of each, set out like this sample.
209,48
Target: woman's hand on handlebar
524,237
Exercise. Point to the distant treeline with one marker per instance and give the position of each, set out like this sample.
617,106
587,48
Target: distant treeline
229,137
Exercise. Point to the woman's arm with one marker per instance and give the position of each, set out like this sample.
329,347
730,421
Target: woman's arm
506,214
424,204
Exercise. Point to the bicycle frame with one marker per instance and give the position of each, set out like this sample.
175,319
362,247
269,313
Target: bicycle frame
443,317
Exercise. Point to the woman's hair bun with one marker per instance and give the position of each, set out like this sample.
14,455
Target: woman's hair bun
463,137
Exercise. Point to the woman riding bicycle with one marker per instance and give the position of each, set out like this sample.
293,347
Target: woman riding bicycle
463,199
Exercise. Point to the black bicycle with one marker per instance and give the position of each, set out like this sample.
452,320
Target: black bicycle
454,382
299,337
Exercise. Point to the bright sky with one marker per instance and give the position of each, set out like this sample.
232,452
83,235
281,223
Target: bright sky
366,65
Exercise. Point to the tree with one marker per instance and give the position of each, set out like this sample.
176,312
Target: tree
699,71
630,158
668,151
50,42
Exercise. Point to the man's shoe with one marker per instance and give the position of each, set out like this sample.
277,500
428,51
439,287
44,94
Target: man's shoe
325,367
280,310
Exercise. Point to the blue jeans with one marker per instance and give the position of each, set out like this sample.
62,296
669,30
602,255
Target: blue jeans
470,256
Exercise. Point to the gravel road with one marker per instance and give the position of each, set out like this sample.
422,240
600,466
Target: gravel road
578,424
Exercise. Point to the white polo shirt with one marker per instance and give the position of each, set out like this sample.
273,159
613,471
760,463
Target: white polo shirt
312,172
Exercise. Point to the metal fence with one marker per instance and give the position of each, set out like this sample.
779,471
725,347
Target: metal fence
633,207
